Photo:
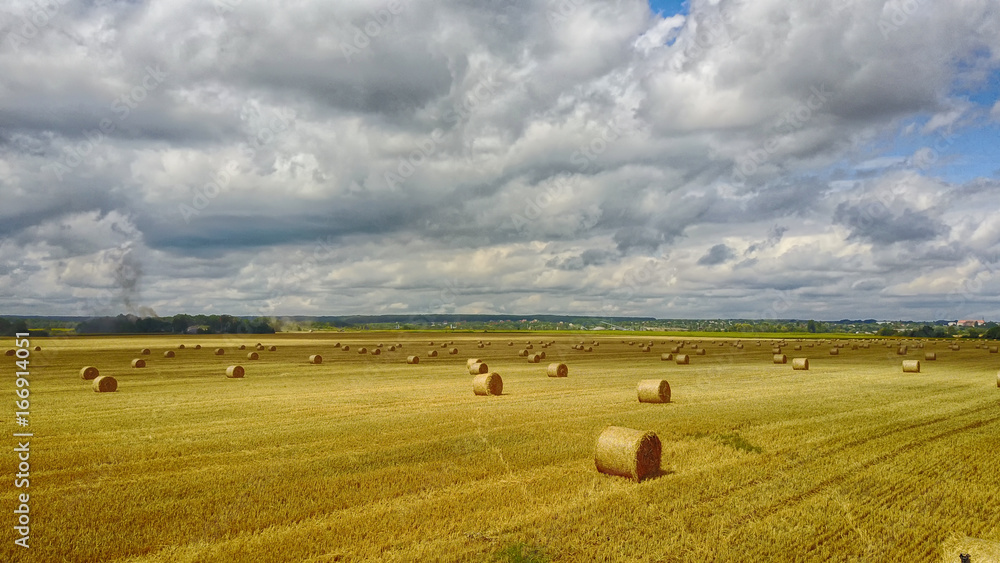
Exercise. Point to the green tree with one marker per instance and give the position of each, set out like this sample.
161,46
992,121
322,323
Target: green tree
811,326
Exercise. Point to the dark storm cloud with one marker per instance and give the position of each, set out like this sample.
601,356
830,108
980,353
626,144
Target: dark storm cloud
873,222
718,254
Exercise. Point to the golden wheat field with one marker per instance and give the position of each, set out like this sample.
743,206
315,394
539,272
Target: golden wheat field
368,458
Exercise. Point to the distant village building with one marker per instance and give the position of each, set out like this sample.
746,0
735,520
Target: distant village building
968,323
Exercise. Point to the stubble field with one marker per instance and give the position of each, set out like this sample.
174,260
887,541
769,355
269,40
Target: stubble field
367,458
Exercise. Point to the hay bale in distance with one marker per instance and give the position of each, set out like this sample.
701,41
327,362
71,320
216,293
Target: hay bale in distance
628,453
994,349
487,384
557,370
346,348
653,391
243,346
700,351
144,351
645,348
666,357
169,354
522,353
682,359
272,348
362,350
800,363
413,359
911,366
10,352
588,349
541,355
220,351
478,368
197,346
105,384
392,348
901,351
834,351
930,356
181,347
534,359
470,361
797,347
37,348
376,351
235,372
253,356
780,359
89,372
432,353
315,359
336,345
453,351
138,363
675,350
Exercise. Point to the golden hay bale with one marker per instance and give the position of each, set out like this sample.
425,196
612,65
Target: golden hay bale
144,351
272,348
994,349
780,359
243,347
444,344
645,349
557,370
700,351
511,343
911,366
362,350
470,361
739,346
346,348
105,384
541,355
488,343
398,345
379,345
376,352
138,363
181,347
522,353
89,372
834,351
588,349
37,348
197,346
800,363
666,357
487,384
315,359
169,354
480,345
682,359
534,359
235,372
529,347
219,351
253,356
392,348
478,368
956,347
675,350
453,351
930,356
336,344
653,391
797,347
628,453
432,353
413,359
260,347
901,351
776,350
431,343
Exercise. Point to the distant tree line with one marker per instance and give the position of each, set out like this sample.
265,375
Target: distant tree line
177,324
12,327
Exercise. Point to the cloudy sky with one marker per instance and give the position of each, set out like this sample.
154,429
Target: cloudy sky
713,158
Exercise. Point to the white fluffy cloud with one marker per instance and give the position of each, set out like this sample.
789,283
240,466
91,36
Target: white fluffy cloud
517,157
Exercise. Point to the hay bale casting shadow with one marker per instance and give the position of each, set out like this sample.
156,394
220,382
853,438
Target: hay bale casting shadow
628,453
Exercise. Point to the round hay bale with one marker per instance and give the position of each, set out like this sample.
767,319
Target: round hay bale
834,351
488,343
235,372
398,345
522,353
675,350
470,361
444,344
901,351
628,453
105,384
930,356
666,357
780,359
272,348
362,350
376,352
336,345
911,366
243,347
588,349
645,348
432,353
478,368
138,363
487,384
480,345
169,354
181,347
453,351
653,391
557,370
89,372
346,348
144,351
220,351
379,345
413,359
315,359
37,348
253,356
682,359
994,349
541,355
529,346
797,347
392,348
534,359
776,350
197,346
800,363
511,343
700,351
431,343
